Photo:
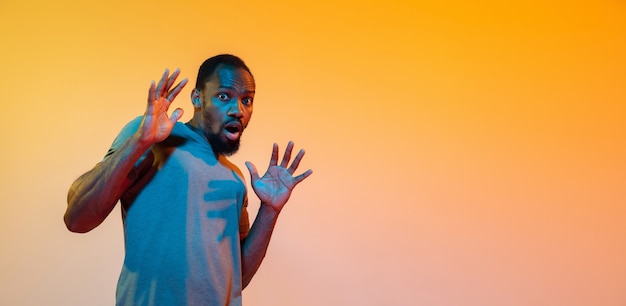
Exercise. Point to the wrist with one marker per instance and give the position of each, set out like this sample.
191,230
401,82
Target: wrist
141,143
269,209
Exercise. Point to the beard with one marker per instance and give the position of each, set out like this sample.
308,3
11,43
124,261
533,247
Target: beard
223,147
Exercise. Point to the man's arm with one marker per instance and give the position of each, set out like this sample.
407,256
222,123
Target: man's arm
273,189
94,194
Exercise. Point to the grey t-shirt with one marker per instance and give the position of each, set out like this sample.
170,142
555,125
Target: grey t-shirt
184,217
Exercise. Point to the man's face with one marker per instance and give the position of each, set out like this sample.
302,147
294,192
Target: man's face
225,107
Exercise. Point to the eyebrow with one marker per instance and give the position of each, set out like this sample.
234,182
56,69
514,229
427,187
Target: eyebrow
234,89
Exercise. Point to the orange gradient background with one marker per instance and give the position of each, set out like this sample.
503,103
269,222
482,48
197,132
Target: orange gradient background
464,153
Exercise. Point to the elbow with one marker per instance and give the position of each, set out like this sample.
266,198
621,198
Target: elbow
74,226
248,271
72,219
246,277
245,282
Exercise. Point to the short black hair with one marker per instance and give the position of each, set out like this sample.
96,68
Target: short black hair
208,67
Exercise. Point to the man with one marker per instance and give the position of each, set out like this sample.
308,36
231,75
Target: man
186,230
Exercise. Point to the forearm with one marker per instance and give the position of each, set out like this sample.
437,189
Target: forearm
93,195
255,245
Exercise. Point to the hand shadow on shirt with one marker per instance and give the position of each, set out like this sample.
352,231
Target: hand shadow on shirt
229,193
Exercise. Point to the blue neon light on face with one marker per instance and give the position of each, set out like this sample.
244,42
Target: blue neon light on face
225,104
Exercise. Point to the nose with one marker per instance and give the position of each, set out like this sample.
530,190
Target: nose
236,110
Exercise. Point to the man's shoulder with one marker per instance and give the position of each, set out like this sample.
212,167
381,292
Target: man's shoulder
228,164
131,127
127,131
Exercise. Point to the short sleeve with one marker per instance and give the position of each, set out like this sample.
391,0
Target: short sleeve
124,134
142,165
244,221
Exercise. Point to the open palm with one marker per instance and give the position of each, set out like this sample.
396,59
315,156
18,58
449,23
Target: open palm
156,124
275,186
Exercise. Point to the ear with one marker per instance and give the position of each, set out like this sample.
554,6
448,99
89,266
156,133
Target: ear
196,99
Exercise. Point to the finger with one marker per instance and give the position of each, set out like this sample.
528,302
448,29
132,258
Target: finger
176,115
171,80
254,174
274,158
151,92
287,155
296,162
302,176
159,88
177,89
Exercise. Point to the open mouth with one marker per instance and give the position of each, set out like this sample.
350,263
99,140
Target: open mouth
233,130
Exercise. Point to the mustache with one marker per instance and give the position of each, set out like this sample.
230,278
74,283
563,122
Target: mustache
235,123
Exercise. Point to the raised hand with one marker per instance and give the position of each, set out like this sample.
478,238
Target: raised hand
275,186
156,124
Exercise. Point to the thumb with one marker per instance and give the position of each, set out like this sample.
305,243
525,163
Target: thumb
254,174
176,115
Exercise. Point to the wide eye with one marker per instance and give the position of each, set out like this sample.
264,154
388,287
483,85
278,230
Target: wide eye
247,101
222,96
